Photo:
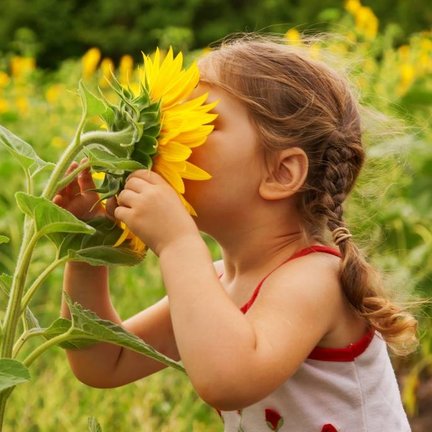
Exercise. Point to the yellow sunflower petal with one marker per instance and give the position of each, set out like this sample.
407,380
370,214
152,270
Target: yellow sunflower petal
192,172
174,152
123,237
170,172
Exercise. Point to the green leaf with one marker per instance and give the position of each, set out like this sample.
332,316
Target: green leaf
22,151
93,425
5,283
92,104
50,218
98,249
12,372
4,239
87,326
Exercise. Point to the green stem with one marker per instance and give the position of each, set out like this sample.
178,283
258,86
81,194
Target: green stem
13,309
46,345
67,179
4,395
23,339
65,160
108,139
39,280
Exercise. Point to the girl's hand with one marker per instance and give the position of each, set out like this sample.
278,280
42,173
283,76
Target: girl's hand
78,196
150,207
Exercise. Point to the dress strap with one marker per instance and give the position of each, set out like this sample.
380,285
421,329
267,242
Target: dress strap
298,254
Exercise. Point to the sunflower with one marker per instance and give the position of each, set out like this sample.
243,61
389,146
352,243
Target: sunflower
185,124
167,125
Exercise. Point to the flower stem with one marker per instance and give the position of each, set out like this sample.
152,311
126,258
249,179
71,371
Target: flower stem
24,338
13,309
67,179
39,280
66,158
43,347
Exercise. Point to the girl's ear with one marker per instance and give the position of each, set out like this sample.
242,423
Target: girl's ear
286,174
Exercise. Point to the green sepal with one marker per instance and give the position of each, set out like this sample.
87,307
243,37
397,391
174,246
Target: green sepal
92,105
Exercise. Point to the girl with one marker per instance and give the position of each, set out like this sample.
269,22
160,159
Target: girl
289,331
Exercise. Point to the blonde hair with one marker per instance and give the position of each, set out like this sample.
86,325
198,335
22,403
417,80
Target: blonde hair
296,101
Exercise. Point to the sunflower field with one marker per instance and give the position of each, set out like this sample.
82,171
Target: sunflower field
390,214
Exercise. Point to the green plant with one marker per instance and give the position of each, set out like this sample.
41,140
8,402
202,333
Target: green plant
91,242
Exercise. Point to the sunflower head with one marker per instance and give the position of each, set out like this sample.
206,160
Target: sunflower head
163,124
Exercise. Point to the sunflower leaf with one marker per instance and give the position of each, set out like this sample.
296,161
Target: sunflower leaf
50,218
97,249
12,372
5,283
85,326
22,152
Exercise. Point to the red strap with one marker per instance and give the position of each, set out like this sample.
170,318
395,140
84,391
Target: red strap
298,254
347,354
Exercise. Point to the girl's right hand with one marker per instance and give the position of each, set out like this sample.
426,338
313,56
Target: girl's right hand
79,196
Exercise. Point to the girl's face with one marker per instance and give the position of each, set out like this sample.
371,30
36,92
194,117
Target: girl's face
235,160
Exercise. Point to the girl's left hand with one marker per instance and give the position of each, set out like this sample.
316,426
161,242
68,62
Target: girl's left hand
151,209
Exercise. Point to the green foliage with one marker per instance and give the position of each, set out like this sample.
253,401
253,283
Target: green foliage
12,372
389,212
53,33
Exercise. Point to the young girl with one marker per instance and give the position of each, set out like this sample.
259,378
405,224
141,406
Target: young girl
288,332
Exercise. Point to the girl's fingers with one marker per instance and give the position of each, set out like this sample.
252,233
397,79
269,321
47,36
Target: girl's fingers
58,200
126,198
148,176
85,181
68,190
110,206
134,184
121,213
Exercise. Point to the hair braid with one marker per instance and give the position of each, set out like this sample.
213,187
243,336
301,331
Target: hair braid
296,101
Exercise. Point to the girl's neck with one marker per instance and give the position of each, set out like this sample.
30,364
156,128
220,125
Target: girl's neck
259,250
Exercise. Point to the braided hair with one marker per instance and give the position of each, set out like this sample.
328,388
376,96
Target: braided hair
296,101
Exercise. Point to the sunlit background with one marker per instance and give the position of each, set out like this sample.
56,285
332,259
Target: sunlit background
47,46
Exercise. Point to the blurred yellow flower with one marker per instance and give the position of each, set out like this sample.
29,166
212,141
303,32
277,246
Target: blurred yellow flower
22,104
352,6
53,93
407,75
292,36
125,69
107,69
22,66
366,22
4,106
90,62
4,79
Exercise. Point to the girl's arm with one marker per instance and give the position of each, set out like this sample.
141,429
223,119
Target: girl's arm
232,359
107,365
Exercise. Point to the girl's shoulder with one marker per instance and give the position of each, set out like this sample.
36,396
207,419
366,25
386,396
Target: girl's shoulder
312,282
